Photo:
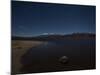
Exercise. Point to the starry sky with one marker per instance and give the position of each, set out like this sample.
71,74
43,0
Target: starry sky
33,18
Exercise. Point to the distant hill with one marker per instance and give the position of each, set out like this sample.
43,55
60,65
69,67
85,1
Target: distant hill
74,36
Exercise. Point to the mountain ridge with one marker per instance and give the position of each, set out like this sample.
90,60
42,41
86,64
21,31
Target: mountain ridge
57,37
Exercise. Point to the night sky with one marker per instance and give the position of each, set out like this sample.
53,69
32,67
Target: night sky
32,19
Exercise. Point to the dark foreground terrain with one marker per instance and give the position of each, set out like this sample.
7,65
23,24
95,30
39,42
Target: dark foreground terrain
46,57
